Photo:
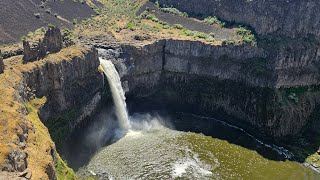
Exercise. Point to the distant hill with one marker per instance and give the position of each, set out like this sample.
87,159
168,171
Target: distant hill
18,17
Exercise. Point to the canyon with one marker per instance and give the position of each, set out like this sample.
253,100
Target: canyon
271,90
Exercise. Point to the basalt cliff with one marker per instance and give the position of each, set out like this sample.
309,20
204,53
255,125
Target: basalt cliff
271,89
289,18
54,93
240,81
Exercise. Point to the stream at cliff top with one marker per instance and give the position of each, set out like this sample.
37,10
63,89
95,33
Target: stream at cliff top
157,145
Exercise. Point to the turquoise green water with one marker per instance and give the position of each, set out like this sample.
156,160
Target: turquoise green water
168,154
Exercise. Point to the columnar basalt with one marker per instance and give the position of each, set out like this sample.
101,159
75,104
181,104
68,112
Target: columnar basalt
48,88
240,81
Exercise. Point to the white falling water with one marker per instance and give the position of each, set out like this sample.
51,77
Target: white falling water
118,94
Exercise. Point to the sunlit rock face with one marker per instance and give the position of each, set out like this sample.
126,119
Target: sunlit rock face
69,83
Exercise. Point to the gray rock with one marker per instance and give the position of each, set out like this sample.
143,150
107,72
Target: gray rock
228,70
51,43
1,64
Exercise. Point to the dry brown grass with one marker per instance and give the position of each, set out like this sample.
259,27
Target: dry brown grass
127,35
14,115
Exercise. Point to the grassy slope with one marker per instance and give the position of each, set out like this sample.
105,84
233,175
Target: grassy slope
120,19
17,115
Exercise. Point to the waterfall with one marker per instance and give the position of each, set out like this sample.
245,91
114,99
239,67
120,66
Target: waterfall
118,94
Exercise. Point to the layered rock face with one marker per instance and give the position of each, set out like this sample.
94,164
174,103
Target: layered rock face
273,87
240,81
65,84
290,18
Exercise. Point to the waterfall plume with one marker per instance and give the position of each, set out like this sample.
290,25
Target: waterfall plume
118,94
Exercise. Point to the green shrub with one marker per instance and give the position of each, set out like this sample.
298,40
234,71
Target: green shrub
213,20
178,26
247,36
166,27
200,35
50,26
173,10
131,24
152,17
228,42
188,32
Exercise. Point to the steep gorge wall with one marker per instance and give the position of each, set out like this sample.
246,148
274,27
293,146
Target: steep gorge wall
287,31
290,18
240,81
66,84
68,80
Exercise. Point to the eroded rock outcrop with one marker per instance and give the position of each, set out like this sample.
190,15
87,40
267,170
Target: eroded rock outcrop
51,43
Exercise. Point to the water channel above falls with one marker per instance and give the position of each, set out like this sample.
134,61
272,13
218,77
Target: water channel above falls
158,145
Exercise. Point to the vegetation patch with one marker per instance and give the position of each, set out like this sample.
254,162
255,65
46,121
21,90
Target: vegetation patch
174,11
59,127
247,35
211,20
63,171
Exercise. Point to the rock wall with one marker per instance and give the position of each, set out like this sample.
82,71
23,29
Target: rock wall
1,63
51,43
239,81
290,18
66,84
68,81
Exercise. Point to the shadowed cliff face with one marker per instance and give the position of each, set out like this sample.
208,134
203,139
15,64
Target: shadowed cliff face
290,18
71,86
65,84
240,81
1,64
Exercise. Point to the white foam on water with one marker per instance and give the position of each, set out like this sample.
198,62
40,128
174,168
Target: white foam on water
191,165
180,168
